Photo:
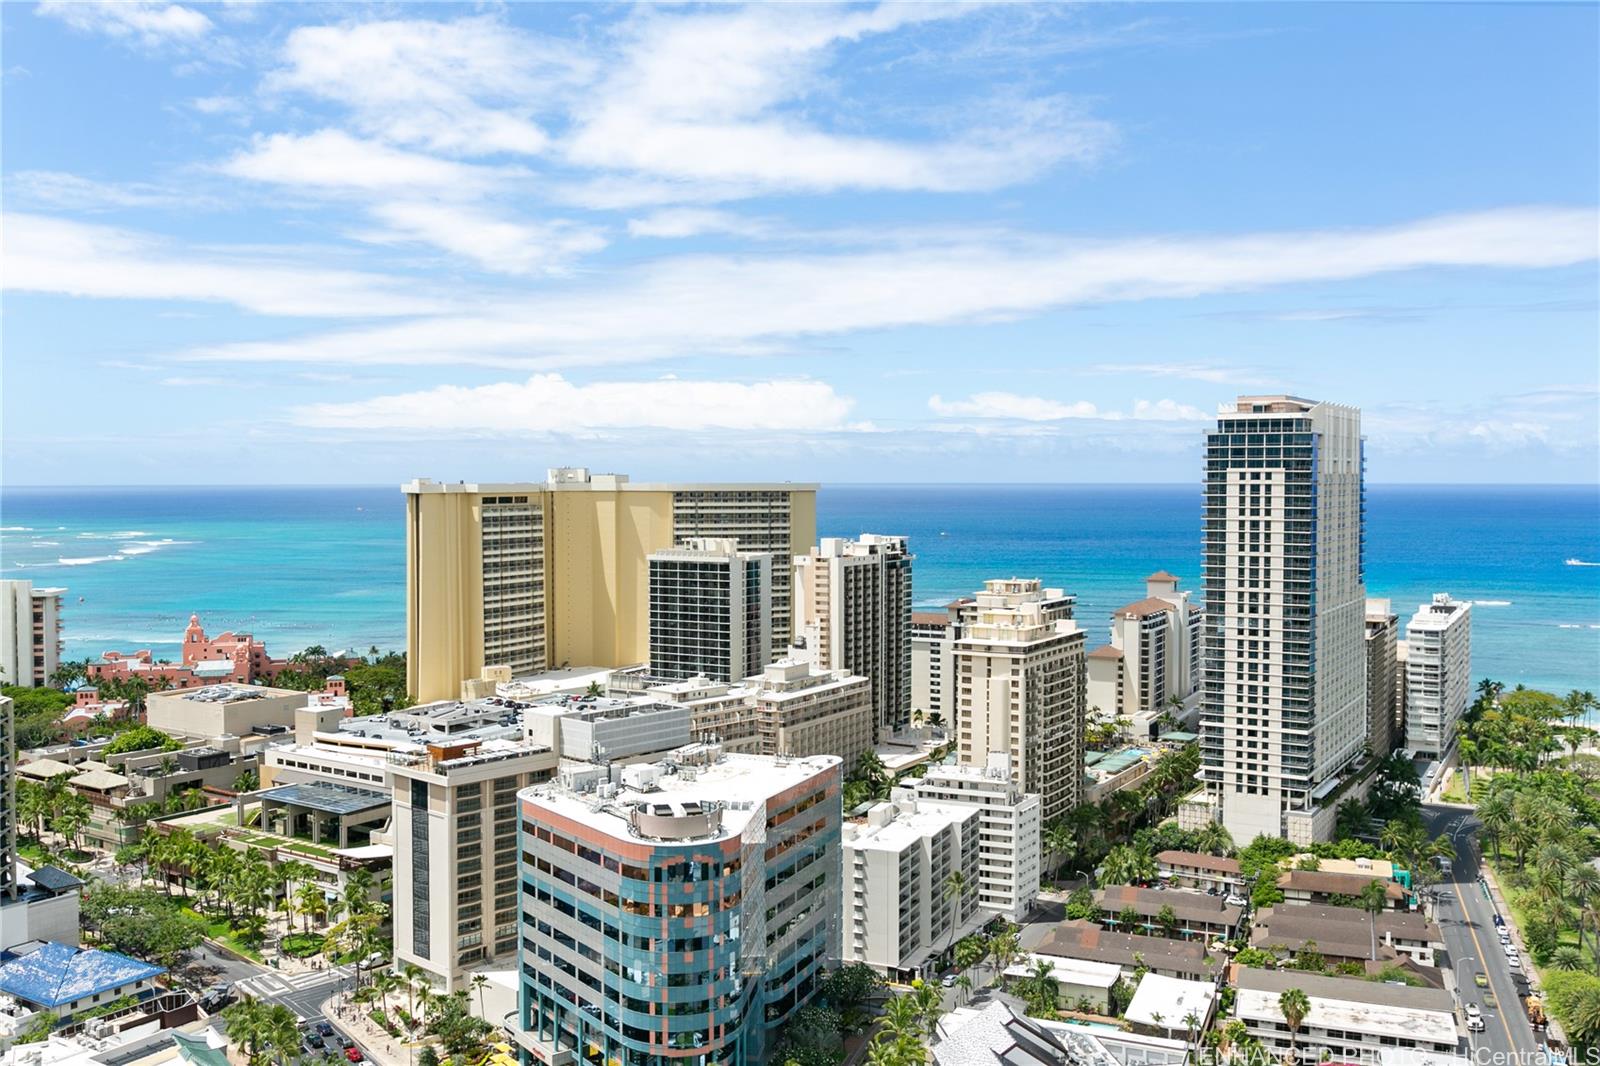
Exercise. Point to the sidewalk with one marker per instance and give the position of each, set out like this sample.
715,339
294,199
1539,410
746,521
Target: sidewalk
381,1048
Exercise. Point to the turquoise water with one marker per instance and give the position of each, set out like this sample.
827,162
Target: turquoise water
300,566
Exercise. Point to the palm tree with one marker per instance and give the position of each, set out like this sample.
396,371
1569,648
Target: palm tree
1567,957
1191,1025
1373,899
480,982
1004,947
955,888
1060,843
1043,993
1214,839
1496,815
902,1018
1294,1005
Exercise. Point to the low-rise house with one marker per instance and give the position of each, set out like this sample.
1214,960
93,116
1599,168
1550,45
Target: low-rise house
1193,869
63,980
1175,958
1326,886
1171,1006
1351,1019
1076,979
997,1035
1345,934
1192,914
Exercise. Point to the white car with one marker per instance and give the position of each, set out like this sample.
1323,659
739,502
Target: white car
1235,901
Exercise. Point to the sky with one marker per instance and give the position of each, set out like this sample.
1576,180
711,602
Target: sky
271,243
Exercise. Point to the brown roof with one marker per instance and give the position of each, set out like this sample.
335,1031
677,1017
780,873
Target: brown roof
1106,651
1084,940
1341,931
1188,906
1331,883
1162,575
929,618
962,602
1146,607
1199,861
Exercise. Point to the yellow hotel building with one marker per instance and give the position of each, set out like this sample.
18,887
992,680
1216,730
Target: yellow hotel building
543,575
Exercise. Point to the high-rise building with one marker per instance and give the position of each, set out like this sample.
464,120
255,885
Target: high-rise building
1019,686
8,799
1152,664
1010,832
853,609
902,863
682,914
30,633
1438,674
536,575
710,610
1382,630
803,711
1284,705
931,635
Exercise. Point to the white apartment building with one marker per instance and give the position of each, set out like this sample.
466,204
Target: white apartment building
1010,831
932,633
30,633
1438,673
719,712
1019,687
600,729
1153,657
853,610
1351,1020
710,610
1284,673
1382,629
900,911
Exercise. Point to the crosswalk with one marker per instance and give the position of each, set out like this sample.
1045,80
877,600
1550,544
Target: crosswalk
301,992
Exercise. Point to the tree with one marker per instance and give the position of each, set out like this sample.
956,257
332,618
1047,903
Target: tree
1373,899
260,1029
1004,946
1042,993
956,886
479,983
1125,864
1129,918
141,738
1294,1005
850,986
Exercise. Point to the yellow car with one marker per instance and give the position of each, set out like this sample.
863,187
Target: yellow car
1481,979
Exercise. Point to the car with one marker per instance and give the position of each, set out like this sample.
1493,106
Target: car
1475,1023
948,980
314,1042
1480,979
353,1054
344,1042
376,959
1514,961
325,1028
1489,1002
1498,920
1235,901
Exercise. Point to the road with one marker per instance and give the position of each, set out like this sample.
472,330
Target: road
1467,921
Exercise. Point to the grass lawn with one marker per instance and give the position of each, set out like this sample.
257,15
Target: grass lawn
1505,873
219,930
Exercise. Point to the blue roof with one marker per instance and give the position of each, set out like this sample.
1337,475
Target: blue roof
58,974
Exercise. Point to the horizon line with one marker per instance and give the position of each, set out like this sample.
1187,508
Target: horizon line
127,487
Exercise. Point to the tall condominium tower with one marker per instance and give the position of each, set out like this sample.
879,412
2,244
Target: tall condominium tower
538,575
30,633
1284,706
853,607
1153,657
710,610
1018,687
1438,673
1382,631
681,915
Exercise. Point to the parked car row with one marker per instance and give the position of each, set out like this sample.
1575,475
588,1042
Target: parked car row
319,1037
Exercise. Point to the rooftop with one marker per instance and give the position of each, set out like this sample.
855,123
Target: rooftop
1144,608
327,797
997,1035
1187,906
1172,998
58,974
1084,972
1199,861
1106,651
1341,931
54,879
904,827
727,791
228,693
1083,940
1351,1003
1330,883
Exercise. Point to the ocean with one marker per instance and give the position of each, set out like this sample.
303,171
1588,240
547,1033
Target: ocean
302,566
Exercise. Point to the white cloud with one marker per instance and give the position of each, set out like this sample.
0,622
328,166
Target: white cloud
680,222
468,87
72,192
719,303
182,382
333,160
1012,406
496,244
43,254
217,105
697,106
550,404
148,24
1211,372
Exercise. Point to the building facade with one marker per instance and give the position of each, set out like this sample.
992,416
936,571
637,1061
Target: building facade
1284,673
1438,674
931,635
1382,630
802,711
30,633
1152,664
1350,1020
681,918
710,610
853,610
903,863
537,575
1010,832
1019,688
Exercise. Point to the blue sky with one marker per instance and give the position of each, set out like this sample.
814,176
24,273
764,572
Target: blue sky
339,243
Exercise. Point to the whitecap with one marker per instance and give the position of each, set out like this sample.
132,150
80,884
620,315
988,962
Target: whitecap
125,534
1491,603
47,544
137,549
1581,562
16,529
88,560
1568,625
